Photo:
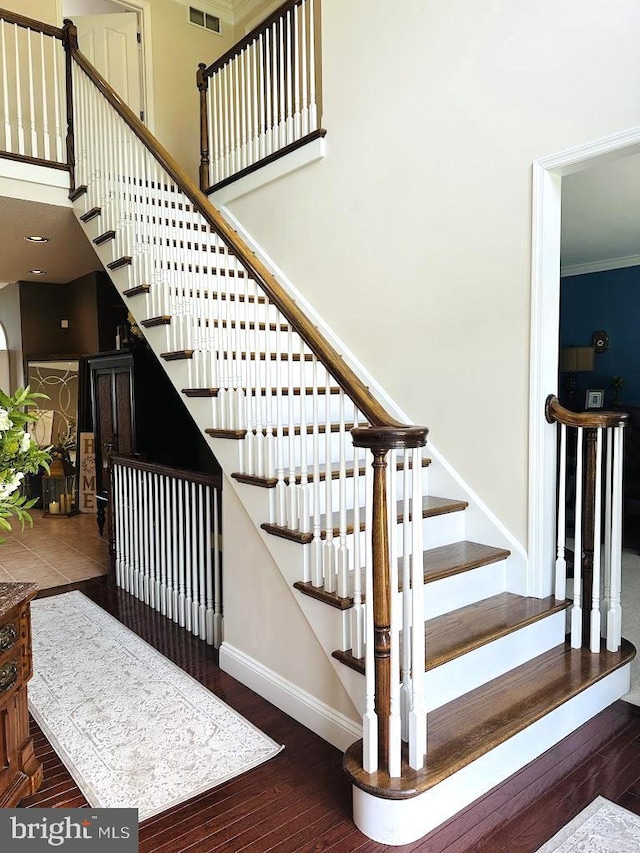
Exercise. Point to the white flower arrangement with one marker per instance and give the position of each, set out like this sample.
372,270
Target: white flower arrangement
19,455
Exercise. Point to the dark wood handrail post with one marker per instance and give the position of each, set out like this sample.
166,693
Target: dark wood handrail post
380,440
70,42
202,82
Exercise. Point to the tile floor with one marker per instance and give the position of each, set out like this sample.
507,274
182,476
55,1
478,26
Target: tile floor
54,552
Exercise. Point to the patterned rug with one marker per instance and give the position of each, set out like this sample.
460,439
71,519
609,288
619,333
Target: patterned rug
133,729
603,827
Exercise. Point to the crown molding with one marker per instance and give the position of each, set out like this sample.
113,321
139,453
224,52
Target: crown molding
600,266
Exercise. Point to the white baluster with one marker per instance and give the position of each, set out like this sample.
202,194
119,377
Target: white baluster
32,107
357,611
342,588
5,91
304,496
282,123
293,517
330,579
289,111
406,689
418,713
561,562
217,569
158,555
608,510
395,728
317,570
57,102
304,113
597,549
199,604
190,558
18,63
370,718
313,106
263,88
614,616
296,59
46,142
576,610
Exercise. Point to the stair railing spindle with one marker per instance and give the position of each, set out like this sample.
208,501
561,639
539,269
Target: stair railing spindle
595,589
330,568
614,615
576,610
342,588
19,121
561,562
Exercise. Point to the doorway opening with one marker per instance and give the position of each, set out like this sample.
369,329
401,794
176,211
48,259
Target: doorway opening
115,36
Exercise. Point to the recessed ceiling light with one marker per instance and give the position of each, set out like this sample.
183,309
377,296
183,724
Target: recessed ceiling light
37,272
36,238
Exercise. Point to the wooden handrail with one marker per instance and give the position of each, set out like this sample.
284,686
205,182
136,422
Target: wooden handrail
251,36
30,24
555,412
214,480
356,390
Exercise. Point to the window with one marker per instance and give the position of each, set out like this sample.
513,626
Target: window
203,19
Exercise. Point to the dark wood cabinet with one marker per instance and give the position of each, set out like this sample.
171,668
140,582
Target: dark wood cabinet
20,771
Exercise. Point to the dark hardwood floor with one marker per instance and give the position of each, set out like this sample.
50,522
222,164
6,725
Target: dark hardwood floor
301,802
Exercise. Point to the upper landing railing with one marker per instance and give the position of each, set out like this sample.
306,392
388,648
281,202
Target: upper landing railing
33,92
590,455
260,100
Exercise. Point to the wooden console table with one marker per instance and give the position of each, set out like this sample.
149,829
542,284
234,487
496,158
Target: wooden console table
20,770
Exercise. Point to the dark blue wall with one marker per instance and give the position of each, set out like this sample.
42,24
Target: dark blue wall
610,301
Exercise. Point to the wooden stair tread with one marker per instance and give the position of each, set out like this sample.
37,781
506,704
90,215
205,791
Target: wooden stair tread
454,634
74,195
104,238
91,214
124,261
177,355
456,558
241,433
271,482
438,563
472,725
431,506
163,320
136,291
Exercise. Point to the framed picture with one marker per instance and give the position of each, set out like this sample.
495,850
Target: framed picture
595,400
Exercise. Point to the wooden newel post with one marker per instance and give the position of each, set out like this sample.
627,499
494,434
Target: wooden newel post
70,42
380,440
202,82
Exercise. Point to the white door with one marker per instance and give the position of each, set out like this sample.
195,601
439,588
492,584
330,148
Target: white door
110,42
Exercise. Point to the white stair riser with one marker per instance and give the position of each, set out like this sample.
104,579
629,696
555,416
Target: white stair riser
398,822
457,677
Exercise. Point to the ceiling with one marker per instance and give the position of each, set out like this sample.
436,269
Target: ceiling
600,229
601,217
67,256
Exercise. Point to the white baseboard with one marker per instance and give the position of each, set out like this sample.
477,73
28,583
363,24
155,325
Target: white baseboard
326,722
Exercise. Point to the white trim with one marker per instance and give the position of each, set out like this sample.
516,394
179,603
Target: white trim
326,722
399,822
543,359
600,266
303,156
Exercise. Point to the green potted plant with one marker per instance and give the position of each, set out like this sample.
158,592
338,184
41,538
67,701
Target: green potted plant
19,455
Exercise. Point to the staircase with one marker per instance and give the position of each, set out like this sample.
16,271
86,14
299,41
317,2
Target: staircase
344,499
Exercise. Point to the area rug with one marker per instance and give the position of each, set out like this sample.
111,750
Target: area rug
603,827
133,729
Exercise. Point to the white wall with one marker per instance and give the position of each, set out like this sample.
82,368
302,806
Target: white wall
263,620
412,237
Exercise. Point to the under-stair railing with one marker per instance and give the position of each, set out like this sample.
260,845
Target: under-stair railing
590,457
33,92
276,386
260,99
167,533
